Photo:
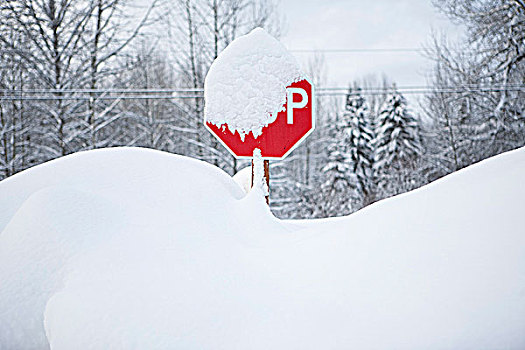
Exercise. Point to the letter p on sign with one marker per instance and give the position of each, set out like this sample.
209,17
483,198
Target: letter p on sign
291,104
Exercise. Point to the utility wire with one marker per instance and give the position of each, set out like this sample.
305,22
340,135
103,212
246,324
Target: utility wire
423,91
30,97
465,87
428,87
327,50
378,50
103,91
87,98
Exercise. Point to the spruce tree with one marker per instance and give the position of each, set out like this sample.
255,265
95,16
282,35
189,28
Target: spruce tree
359,139
337,189
397,146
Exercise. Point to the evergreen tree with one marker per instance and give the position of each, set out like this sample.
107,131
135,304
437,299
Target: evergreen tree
338,188
359,137
397,147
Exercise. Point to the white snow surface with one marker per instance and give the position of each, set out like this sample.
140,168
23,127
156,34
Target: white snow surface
246,84
139,249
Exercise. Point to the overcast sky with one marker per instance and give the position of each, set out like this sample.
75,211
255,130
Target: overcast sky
365,24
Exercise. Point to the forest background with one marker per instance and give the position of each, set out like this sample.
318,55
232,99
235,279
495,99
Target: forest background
85,74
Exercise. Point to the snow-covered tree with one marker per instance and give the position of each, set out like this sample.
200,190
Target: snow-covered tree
360,136
55,31
348,182
486,118
63,46
339,185
107,36
397,146
17,120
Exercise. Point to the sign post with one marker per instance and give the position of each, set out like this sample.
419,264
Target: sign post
266,165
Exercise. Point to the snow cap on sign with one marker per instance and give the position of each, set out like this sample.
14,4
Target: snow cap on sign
246,84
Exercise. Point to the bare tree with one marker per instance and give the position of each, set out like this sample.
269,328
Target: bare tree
16,121
55,31
486,117
197,31
108,34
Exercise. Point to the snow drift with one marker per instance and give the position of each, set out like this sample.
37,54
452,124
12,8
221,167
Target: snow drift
133,249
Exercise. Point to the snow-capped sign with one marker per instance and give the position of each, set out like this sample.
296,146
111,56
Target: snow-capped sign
257,97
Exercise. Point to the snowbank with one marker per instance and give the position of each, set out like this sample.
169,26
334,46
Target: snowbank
134,249
244,178
246,84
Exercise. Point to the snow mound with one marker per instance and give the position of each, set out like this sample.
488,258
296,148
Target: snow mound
244,178
246,85
133,249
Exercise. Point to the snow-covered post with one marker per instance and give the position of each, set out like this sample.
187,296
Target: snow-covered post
261,174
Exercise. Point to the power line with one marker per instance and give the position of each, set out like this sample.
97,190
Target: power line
192,93
172,97
463,87
87,98
326,50
357,50
428,87
103,91
423,91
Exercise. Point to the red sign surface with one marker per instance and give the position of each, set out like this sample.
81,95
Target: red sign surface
281,136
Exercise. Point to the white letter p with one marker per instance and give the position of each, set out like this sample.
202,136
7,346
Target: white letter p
291,104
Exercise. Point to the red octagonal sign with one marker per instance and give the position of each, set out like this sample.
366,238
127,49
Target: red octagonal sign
281,136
